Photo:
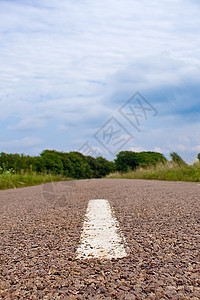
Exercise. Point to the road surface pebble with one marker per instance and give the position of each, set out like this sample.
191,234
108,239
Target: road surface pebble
40,230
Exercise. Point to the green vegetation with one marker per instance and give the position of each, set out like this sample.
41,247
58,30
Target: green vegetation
174,170
19,170
72,164
128,160
8,180
177,159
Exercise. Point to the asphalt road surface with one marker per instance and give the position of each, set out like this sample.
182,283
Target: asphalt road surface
41,229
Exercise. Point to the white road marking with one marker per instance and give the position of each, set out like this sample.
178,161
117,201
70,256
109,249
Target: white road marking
100,236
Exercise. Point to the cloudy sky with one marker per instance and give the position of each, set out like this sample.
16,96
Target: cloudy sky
68,69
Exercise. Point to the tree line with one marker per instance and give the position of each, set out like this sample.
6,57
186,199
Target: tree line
72,164
76,165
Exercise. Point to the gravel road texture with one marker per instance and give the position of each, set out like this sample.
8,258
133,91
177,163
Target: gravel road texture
40,232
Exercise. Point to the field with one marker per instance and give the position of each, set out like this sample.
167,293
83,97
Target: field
10,181
168,171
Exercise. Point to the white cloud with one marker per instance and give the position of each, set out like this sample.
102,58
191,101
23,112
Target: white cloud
69,64
137,149
25,143
157,149
196,148
59,49
29,124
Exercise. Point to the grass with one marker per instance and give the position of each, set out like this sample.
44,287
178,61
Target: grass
168,171
10,181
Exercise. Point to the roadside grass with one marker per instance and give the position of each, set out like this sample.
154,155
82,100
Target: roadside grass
10,181
168,171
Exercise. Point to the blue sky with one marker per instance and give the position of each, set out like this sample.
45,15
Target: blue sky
68,66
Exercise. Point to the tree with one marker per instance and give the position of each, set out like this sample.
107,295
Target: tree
150,158
80,167
198,156
38,164
94,165
52,161
177,159
67,165
105,167
131,160
126,160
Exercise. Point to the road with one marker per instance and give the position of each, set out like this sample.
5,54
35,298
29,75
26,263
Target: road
41,229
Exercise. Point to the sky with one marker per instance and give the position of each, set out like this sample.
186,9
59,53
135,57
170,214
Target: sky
100,77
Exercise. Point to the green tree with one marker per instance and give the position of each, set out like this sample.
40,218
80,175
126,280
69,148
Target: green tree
52,161
67,165
80,167
38,164
94,166
177,159
126,160
105,167
150,158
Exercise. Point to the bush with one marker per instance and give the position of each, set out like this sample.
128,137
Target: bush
52,161
177,159
168,171
80,167
131,160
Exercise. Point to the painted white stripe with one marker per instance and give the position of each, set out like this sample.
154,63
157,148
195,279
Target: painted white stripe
100,236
